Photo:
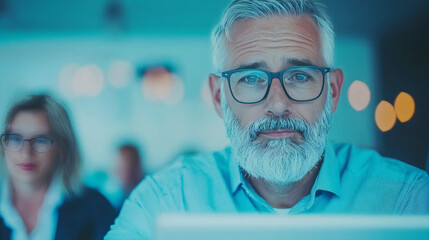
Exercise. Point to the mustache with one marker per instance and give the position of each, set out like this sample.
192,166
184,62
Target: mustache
276,123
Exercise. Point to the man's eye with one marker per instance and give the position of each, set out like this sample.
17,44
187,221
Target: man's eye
300,77
252,79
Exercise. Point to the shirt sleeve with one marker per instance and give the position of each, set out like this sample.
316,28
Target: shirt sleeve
418,201
137,217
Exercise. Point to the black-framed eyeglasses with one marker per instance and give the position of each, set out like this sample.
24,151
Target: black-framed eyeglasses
14,142
300,83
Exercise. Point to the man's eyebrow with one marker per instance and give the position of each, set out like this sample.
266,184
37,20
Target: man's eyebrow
253,65
291,62
299,62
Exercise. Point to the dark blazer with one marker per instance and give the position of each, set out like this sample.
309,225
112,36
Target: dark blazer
85,216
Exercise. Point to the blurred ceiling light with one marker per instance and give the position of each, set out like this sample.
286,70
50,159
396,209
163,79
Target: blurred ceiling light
177,91
359,95
120,73
88,81
66,79
385,116
159,84
404,107
206,95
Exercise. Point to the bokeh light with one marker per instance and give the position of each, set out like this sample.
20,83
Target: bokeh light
120,73
159,84
385,116
76,81
177,90
88,81
404,107
359,95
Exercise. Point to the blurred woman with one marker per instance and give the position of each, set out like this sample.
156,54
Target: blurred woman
41,197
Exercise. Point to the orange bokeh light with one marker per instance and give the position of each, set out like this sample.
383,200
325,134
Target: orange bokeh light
385,116
404,107
161,85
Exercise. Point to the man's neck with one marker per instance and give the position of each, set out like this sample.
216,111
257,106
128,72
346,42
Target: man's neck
285,195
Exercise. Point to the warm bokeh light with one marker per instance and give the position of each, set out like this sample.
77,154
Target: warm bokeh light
177,91
88,81
385,116
76,81
359,95
157,82
404,107
120,73
161,85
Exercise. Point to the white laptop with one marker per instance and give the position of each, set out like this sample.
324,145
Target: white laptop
305,227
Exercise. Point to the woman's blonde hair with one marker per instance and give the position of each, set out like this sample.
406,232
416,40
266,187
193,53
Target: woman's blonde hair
69,158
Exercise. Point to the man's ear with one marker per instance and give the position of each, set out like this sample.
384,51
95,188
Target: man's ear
214,82
336,82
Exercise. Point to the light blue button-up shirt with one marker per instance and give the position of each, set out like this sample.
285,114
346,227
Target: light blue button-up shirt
350,181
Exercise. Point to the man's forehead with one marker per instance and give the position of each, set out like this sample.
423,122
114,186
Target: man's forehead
286,62
273,25
290,40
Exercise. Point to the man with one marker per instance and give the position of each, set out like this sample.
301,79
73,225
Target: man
276,90
128,169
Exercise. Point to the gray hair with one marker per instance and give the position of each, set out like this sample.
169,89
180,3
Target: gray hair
69,158
240,10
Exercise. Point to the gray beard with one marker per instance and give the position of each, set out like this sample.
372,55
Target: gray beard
280,161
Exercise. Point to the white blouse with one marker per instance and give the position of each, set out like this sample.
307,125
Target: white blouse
46,226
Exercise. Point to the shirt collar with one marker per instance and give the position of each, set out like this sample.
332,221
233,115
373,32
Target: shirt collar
328,178
236,178
47,214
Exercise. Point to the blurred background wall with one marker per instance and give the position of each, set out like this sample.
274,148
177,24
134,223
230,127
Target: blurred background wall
138,70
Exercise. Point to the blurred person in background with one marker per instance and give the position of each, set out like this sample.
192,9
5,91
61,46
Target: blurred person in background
128,169
41,196
276,89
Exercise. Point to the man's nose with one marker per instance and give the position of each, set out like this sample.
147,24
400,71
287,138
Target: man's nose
277,100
